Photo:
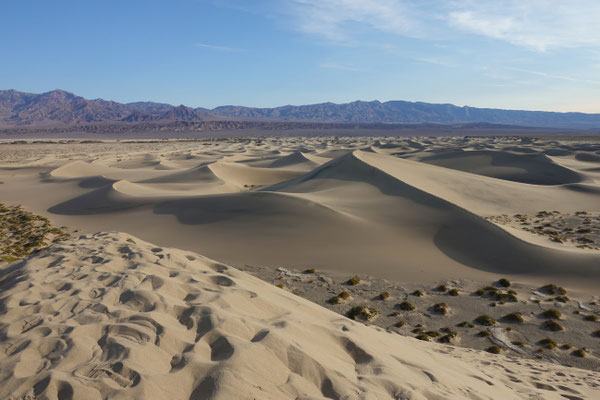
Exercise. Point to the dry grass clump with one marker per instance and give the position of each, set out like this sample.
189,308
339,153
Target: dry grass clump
578,353
514,317
566,346
442,288
483,334
552,325
362,312
353,281
596,333
552,313
384,295
400,324
453,292
423,337
22,233
440,308
479,292
406,306
418,293
502,297
562,299
280,285
553,289
590,317
547,343
485,320
465,324
338,298
310,271
432,333
493,349
504,282
518,343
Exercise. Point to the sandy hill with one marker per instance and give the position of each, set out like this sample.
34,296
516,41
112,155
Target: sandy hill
111,316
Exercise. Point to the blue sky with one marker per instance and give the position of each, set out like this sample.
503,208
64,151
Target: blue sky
516,54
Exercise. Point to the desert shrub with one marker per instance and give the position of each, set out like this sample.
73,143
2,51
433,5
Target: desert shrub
501,296
418,330
432,334
566,346
384,295
446,339
596,333
480,292
553,289
590,318
423,337
406,306
490,289
465,324
483,334
512,292
442,288
418,293
334,300
493,349
399,324
362,312
518,343
310,271
440,308
449,331
280,285
562,299
453,292
547,343
514,317
344,295
552,313
578,353
353,281
485,320
504,282
552,325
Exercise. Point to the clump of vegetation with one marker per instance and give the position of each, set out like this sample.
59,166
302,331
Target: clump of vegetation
552,313
566,346
446,338
490,289
418,293
493,349
552,325
512,292
353,281
590,317
453,292
504,282
310,271
432,334
553,289
518,343
465,324
483,334
501,296
578,353
280,285
418,330
362,312
440,308
485,320
480,292
384,295
596,333
423,337
547,343
442,288
514,317
400,324
406,306
338,298
562,299
22,233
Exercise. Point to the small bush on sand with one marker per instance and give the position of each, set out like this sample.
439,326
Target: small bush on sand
440,308
493,349
552,325
501,296
453,292
553,289
566,346
514,317
280,285
310,271
362,312
449,331
423,337
353,281
596,333
344,295
547,343
406,306
338,299
562,299
418,330
504,282
552,313
418,293
485,320
432,333
578,353
384,295
446,338
399,324
518,343
442,288
483,334
480,292
465,324
590,318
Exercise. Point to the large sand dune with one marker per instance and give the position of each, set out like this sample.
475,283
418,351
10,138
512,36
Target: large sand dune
111,316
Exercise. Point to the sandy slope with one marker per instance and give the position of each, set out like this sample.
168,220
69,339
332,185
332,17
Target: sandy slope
111,316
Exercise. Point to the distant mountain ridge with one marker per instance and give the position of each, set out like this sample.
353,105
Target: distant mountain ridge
59,107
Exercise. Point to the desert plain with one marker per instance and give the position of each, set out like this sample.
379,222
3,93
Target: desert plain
301,268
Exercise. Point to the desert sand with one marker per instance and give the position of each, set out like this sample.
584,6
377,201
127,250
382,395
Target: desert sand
403,214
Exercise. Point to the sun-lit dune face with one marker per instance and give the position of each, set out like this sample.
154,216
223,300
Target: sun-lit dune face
447,205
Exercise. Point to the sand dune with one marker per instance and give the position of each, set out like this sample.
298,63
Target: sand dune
111,316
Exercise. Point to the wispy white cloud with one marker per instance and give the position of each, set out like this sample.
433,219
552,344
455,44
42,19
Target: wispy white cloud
218,48
536,24
340,67
555,77
539,25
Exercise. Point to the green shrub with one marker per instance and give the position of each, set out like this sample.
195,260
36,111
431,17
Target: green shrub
406,306
504,282
566,346
547,343
596,333
480,292
384,295
483,334
344,295
552,325
440,308
423,337
453,292
485,320
562,299
553,289
578,353
418,293
353,281
518,343
465,324
432,333
399,324
362,312
590,318
552,313
514,317
442,288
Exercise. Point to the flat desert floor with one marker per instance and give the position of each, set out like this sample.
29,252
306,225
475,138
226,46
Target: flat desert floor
426,226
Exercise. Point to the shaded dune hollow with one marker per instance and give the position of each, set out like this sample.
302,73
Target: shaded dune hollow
109,316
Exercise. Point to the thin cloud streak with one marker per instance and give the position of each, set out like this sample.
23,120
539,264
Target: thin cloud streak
218,48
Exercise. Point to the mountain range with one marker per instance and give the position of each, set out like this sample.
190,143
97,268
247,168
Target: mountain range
58,108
